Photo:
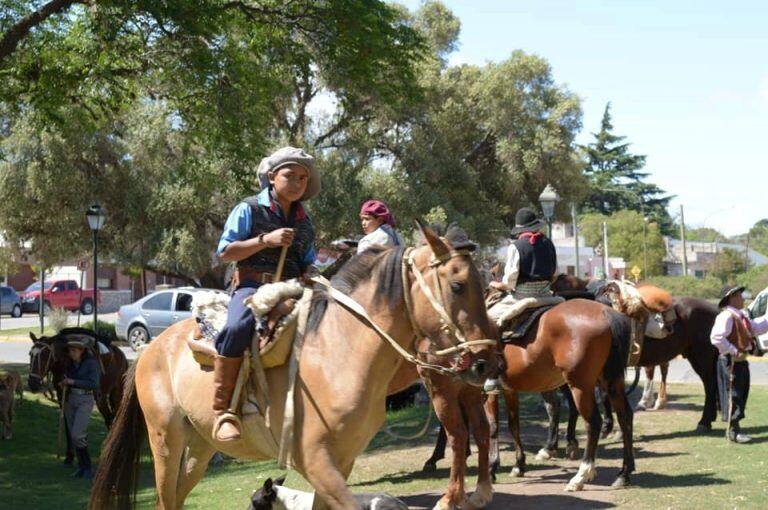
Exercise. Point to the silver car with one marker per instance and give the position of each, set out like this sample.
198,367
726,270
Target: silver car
143,320
9,302
757,308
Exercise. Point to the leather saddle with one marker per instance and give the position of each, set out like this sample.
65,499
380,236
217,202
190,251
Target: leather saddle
516,331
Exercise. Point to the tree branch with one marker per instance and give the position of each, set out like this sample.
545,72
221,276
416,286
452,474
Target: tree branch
13,36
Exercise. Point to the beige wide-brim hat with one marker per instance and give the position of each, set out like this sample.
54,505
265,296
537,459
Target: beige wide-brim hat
290,156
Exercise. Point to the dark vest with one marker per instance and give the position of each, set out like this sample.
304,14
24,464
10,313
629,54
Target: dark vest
538,262
265,221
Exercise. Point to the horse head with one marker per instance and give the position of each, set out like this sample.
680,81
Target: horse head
46,355
448,306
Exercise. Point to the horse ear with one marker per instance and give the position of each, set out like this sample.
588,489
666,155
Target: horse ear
280,480
433,240
32,337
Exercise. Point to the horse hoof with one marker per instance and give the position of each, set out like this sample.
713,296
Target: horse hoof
660,404
546,454
574,486
701,428
481,498
640,407
517,472
429,467
618,436
620,483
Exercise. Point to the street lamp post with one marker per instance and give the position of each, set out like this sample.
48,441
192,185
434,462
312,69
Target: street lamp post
548,199
96,216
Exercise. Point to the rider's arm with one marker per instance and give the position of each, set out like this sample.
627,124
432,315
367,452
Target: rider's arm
720,331
760,324
235,243
88,375
511,268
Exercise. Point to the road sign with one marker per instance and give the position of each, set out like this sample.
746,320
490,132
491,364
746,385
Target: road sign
82,265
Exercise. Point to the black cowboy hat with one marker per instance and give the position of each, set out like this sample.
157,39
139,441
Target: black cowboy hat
526,221
727,292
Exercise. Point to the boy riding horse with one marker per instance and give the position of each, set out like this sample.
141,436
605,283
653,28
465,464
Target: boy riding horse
254,236
530,266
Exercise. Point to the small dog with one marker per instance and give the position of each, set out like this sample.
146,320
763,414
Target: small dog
10,386
273,496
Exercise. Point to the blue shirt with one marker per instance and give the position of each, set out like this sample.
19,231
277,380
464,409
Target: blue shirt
85,374
239,223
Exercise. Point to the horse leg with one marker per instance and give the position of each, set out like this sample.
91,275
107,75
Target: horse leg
646,401
661,401
513,417
450,414
608,420
194,463
587,406
706,372
167,440
491,407
104,408
552,405
438,453
478,423
572,448
625,416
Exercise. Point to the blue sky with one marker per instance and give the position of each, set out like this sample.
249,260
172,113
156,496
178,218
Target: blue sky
688,84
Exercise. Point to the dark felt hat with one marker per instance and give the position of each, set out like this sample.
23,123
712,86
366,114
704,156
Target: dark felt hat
527,221
727,292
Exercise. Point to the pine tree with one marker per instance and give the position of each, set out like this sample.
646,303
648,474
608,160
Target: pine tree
616,179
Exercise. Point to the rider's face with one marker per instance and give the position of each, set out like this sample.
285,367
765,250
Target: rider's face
370,223
737,300
75,353
290,182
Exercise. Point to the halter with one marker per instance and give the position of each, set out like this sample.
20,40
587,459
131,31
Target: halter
46,379
461,344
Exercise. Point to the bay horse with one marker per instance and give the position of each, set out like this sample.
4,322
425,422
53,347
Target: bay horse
344,370
48,360
580,343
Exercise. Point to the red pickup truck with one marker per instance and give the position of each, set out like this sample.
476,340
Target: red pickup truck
58,294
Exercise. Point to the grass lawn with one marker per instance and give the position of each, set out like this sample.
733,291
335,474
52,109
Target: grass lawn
675,468
23,333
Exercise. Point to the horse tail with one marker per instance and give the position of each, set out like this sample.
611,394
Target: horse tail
116,479
621,333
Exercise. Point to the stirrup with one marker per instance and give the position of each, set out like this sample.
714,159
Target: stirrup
231,417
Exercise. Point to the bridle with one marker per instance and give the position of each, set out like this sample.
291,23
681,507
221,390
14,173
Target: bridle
45,376
460,344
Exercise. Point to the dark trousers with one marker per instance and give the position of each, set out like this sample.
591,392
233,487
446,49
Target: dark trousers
237,334
739,390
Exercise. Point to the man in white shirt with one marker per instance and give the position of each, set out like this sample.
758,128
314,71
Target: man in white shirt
733,334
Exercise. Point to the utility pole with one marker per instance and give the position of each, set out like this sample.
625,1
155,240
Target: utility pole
645,247
575,238
682,238
605,250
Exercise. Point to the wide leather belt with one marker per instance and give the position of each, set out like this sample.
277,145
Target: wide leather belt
246,274
80,391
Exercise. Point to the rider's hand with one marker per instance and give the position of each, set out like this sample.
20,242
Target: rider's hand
279,237
497,285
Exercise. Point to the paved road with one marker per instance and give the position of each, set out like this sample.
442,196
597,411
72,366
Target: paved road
29,320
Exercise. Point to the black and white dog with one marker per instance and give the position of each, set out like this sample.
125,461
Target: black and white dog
273,496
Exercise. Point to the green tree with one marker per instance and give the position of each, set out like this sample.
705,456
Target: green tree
625,238
616,179
729,264
704,234
758,237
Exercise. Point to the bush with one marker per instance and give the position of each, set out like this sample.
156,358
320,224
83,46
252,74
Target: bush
704,288
105,330
57,319
756,279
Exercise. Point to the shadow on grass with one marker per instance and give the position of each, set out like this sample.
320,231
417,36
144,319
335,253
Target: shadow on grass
518,502
652,480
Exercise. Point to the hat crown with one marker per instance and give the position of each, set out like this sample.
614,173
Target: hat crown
525,217
290,156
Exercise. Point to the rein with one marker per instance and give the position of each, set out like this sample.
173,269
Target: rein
461,344
46,375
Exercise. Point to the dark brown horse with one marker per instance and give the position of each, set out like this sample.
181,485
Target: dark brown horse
48,360
581,343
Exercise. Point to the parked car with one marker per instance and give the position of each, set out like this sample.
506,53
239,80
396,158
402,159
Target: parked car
10,302
757,308
65,294
143,320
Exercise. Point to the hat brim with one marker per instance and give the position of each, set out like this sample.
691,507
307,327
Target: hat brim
78,344
313,186
731,292
531,227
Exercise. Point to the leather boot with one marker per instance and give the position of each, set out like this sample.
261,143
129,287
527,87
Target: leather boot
225,371
80,463
84,459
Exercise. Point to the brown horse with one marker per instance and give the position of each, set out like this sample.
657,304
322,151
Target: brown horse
580,343
646,401
343,373
48,359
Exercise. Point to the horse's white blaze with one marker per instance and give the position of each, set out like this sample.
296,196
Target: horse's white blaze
586,474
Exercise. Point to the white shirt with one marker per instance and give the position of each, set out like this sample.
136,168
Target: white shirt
379,237
511,267
724,325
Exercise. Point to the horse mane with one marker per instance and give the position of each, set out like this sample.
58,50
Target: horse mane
377,262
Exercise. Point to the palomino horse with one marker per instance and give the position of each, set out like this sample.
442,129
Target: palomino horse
48,359
343,373
578,342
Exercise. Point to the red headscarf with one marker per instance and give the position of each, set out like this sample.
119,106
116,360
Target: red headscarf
378,209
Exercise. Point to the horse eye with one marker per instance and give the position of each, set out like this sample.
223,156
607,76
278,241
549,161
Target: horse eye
457,287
